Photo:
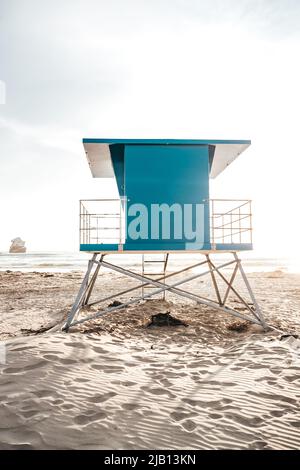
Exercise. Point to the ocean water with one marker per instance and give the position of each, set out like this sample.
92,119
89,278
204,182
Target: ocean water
64,262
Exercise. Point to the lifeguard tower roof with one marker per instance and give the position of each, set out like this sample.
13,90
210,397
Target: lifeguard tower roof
99,152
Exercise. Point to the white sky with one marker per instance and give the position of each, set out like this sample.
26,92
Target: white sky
153,69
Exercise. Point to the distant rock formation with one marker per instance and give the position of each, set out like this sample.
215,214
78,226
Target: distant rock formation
17,246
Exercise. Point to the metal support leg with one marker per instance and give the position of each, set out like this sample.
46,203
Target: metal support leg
165,269
80,296
92,283
258,311
230,286
214,280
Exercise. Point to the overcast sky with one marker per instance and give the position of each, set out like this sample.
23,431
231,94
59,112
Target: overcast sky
146,68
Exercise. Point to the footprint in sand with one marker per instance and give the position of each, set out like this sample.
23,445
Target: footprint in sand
68,361
295,424
130,364
155,375
292,378
98,349
245,421
128,383
13,439
52,352
203,404
271,382
158,391
276,413
19,370
130,406
175,375
274,397
165,382
276,370
107,370
226,401
195,365
257,445
67,406
87,418
58,401
29,414
215,416
180,415
190,402
51,357
43,393
101,398
189,425
24,348
35,416
76,345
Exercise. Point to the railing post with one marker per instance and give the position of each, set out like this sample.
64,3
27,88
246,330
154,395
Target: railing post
125,218
84,227
213,222
250,204
120,221
80,231
223,233
240,228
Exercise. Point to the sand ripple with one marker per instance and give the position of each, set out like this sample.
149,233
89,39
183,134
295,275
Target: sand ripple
85,391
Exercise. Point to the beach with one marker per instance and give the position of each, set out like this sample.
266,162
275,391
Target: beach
115,383
149,147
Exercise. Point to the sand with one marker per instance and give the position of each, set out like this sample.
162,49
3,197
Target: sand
116,384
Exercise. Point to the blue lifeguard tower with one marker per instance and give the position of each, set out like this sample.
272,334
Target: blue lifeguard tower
164,207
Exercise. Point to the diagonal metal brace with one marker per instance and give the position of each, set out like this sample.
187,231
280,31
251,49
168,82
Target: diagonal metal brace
173,288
